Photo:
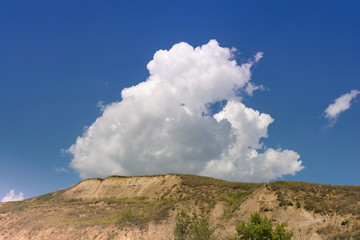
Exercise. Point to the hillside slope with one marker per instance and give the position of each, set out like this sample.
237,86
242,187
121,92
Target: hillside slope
145,208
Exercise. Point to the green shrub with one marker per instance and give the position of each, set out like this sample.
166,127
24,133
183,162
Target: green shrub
283,201
234,201
262,228
127,215
192,228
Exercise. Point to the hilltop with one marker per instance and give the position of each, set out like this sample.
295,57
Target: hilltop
145,208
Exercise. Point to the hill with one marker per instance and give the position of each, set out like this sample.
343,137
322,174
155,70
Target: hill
145,208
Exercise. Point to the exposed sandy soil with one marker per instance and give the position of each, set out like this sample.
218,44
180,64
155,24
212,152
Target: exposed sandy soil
123,187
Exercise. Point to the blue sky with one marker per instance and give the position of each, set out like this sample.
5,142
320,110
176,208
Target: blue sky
58,59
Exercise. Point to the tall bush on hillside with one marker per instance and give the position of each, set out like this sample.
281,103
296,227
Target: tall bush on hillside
261,228
192,228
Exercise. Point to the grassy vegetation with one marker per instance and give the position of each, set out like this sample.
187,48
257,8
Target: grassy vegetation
123,217
124,200
234,200
192,227
47,210
44,198
334,233
283,199
13,206
196,181
132,210
32,202
204,192
207,191
198,195
324,199
127,215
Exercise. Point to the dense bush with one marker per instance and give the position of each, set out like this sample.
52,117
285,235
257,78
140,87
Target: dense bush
258,228
192,228
261,228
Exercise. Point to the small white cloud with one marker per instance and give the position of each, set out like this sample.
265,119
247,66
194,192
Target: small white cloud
100,105
340,105
258,56
250,88
11,196
166,124
61,170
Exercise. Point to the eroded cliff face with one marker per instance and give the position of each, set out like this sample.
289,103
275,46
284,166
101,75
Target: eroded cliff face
145,208
150,187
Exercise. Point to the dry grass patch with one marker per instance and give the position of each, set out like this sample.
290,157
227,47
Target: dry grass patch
324,199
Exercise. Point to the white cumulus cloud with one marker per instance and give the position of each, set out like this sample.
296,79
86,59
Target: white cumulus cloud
167,123
340,105
11,196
